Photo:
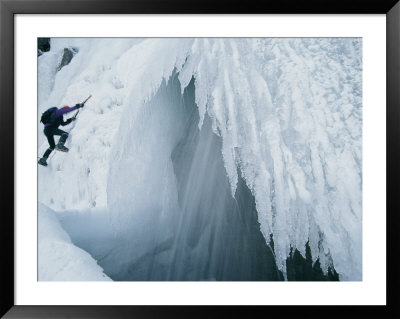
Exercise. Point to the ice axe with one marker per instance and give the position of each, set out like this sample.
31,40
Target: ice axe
83,103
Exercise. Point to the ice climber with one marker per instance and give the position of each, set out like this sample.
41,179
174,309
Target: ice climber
52,119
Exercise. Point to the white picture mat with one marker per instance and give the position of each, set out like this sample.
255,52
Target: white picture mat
372,290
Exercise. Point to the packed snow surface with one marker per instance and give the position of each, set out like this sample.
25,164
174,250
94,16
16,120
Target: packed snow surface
288,112
59,259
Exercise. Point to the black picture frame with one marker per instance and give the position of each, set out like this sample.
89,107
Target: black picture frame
9,8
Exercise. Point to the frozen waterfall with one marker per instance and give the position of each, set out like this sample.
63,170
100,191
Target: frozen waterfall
209,159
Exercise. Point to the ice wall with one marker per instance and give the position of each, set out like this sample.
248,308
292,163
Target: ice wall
78,180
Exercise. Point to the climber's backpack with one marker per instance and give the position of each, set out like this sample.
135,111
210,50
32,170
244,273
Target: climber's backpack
47,115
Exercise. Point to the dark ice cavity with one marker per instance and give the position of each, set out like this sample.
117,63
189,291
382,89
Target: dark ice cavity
215,236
